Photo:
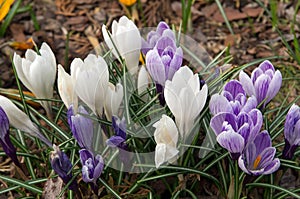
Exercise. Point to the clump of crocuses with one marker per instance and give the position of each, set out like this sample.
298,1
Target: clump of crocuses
291,132
236,121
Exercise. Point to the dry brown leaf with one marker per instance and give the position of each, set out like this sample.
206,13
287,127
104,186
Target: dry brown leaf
234,14
53,188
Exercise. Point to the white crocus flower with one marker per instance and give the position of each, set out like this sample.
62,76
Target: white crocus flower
114,97
20,120
38,72
166,138
127,39
65,87
185,98
91,81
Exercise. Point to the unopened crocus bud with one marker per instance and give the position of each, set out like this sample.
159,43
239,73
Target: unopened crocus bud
61,164
5,141
37,72
264,84
291,132
113,100
119,139
81,126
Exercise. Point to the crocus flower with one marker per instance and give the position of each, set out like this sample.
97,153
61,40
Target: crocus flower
235,132
165,59
113,100
154,36
119,139
5,141
38,72
91,81
185,99
20,120
166,138
291,132
264,84
127,39
65,87
62,165
258,157
81,127
92,166
233,99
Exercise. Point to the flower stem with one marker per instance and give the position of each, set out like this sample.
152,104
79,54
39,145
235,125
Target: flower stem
236,181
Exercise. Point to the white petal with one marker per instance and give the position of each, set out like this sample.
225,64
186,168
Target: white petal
143,81
65,87
247,83
19,119
114,97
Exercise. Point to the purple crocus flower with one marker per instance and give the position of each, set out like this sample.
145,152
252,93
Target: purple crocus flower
5,141
233,99
81,127
291,132
264,84
234,132
119,139
153,37
92,166
61,164
164,60
258,157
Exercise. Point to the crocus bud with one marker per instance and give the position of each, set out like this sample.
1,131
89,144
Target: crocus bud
166,138
81,127
291,132
5,141
126,38
92,166
38,72
113,100
20,120
185,99
65,87
61,164
91,81
119,139
264,84
258,157
143,82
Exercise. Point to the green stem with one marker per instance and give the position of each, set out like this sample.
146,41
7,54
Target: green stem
236,181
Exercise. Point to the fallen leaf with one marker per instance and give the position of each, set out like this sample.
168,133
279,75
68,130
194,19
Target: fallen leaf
28,44
234,14
52,188
4,7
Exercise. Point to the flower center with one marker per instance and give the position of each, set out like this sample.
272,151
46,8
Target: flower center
257,161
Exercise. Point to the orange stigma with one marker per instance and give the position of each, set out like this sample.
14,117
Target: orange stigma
256,162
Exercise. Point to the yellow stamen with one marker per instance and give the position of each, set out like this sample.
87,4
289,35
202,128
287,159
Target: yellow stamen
256,162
